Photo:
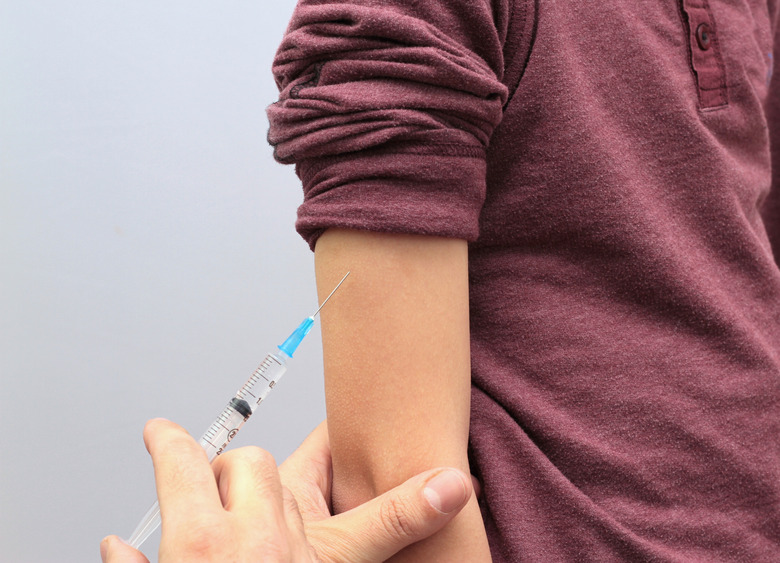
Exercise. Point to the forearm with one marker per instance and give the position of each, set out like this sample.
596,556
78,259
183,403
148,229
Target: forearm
397,373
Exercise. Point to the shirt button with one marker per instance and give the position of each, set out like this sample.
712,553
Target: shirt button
703,36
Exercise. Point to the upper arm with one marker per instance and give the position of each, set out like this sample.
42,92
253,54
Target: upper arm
387,108
397,371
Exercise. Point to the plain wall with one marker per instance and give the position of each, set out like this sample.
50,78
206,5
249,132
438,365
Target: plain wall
148,258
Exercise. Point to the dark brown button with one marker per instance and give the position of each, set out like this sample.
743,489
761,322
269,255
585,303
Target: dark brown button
703,36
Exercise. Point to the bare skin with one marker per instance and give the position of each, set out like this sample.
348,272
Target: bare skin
397,372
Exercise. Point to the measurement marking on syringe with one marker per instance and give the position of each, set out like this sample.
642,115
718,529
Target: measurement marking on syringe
257,374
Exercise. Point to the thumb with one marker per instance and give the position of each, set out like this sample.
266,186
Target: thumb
380,528
115,550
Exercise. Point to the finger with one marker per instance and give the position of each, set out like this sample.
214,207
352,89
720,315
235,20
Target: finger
296,529
185,481
250,487
307,473
114,550
311,459
380,528
249,484
292,514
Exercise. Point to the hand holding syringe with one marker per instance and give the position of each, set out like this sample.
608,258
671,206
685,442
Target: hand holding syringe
238,410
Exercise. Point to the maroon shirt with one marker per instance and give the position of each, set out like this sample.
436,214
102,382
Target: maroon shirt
608,162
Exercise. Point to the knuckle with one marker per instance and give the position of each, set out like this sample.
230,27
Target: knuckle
250,455
259,456
202,548
310,501
398,518
335,545
312,508
249,462
254,457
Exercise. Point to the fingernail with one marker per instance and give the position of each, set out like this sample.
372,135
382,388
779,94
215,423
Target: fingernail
446,491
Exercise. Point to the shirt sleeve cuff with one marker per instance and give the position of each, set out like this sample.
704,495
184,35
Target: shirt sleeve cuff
430,189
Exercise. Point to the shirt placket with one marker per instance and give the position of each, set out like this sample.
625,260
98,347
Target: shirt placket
706,60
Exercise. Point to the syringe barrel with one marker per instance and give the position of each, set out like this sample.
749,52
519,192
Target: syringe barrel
241,407
225,428
227,425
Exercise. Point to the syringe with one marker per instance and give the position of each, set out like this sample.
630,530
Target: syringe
238,410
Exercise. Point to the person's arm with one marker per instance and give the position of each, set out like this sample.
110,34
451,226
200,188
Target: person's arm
397,372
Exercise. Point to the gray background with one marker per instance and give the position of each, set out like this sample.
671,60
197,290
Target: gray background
148,259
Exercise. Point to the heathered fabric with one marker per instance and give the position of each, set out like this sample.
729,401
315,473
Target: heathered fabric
609,163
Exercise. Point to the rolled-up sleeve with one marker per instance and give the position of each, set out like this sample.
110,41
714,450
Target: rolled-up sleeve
387,108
